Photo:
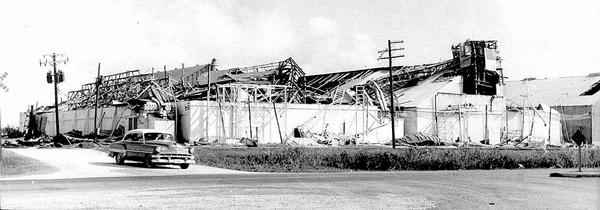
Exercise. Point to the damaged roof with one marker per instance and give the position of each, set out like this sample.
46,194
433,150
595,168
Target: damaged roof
376,81
415,95
575,90
177,73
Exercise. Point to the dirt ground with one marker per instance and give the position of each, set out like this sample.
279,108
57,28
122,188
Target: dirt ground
15,165
86,163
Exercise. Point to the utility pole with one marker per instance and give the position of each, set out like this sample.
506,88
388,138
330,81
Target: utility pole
98,81
182,74
176,131
249,116
389,51
549,126
54,77
524,101
210,67
523,118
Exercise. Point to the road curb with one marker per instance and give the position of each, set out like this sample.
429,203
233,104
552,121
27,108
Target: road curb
574,175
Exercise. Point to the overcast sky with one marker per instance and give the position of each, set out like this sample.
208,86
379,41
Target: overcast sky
537,38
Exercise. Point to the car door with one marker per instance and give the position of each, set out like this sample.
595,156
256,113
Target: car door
134,144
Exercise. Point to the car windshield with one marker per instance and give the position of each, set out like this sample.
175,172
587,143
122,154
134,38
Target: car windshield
158,136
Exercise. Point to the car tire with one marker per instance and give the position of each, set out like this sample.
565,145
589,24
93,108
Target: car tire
148,162
184,166
119,158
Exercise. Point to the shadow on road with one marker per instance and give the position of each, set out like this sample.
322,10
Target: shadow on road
131,164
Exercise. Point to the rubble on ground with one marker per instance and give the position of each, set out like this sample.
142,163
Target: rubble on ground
303,136
418,139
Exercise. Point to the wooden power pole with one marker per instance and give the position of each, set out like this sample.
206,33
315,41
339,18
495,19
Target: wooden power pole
98,81
56,77
389,57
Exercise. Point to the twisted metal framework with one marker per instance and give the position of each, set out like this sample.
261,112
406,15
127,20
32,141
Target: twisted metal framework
352,87
284,81
280,81
119,87
280,74
254,93
369,85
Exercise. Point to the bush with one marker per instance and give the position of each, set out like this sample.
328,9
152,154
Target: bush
296,159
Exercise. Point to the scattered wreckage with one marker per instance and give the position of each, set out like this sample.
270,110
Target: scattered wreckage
474,71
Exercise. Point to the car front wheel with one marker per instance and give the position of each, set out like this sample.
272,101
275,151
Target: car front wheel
148,162
184,166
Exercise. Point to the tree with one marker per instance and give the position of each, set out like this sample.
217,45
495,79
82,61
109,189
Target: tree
2,85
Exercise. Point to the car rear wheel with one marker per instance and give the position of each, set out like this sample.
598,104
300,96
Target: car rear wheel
119,158
184,166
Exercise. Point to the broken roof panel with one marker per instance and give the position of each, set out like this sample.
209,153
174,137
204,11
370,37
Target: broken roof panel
176,74
553,91
376,80
414,96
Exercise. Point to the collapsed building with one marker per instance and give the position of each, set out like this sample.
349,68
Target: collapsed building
457,100
126,100
576,98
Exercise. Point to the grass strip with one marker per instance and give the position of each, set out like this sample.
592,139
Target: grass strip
304,159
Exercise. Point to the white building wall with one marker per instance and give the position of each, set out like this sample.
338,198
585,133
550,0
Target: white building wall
231,120
535,124
108,118
596,123
444,104
23,121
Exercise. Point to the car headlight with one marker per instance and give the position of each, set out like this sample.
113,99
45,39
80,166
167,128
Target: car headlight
158,149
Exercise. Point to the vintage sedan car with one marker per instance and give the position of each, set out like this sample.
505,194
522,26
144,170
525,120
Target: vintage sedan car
152,147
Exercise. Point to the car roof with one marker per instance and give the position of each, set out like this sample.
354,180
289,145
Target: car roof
148,131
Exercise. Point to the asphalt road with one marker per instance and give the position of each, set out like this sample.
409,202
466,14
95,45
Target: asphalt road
493,189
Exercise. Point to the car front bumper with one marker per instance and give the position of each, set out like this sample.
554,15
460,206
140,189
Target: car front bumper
172,159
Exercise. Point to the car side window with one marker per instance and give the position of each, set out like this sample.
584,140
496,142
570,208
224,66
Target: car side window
133,137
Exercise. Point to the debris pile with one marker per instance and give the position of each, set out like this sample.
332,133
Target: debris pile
419,139
305,136
527,142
